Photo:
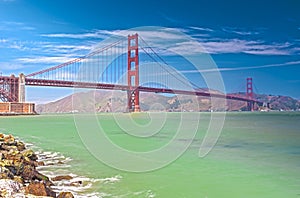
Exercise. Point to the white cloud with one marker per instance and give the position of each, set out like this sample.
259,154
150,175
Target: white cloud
220,46
158,38
45,59
245,46
65,49
169,33
13,25
3,40
184,45
202,29
286,64
48,48
18,46
57,53
240,31
76,36
8,66
97,34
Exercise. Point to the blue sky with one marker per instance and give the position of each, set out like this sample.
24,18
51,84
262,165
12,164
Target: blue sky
254,38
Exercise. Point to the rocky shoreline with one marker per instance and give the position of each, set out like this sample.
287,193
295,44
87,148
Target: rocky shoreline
19,176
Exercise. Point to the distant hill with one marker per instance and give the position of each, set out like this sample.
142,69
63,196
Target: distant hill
285,103
116,101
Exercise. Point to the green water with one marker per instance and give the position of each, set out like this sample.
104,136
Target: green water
257,155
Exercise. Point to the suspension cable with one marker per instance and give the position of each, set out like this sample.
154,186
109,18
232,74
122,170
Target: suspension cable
148,46
76,59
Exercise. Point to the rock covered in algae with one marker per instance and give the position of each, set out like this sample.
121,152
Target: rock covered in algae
18,174
18,169
62,177
65,195
39,189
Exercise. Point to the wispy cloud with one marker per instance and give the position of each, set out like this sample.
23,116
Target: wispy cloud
3,40
18,45
213,46
231,46
286,64
13,25
202,29
62,49
158,37
9,66
240,31
74,36
45,59
59,52
102,34
48,48
246,46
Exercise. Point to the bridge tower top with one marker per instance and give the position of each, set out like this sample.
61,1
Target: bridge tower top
249,88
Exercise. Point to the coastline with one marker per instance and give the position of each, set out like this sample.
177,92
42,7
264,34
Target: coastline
23,172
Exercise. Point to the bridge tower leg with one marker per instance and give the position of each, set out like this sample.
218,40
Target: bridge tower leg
133,74
21,88
249,94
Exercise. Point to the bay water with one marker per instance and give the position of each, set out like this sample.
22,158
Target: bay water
256,155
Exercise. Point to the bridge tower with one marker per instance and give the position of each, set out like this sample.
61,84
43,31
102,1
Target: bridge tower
133,74
249,94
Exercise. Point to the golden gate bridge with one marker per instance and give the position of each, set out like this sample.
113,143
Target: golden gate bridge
114,67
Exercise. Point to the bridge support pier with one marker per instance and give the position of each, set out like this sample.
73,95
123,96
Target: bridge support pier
12,95
133,74
250,106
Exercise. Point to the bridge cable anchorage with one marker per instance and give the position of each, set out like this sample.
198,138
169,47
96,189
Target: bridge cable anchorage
75,60
195,86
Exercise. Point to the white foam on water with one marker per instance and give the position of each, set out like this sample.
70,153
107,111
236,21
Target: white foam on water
138,193
93,195
143,193
150,194
29,145
57,165
62,186
111,179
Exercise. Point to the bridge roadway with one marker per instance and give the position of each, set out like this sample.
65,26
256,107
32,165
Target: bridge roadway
90,85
